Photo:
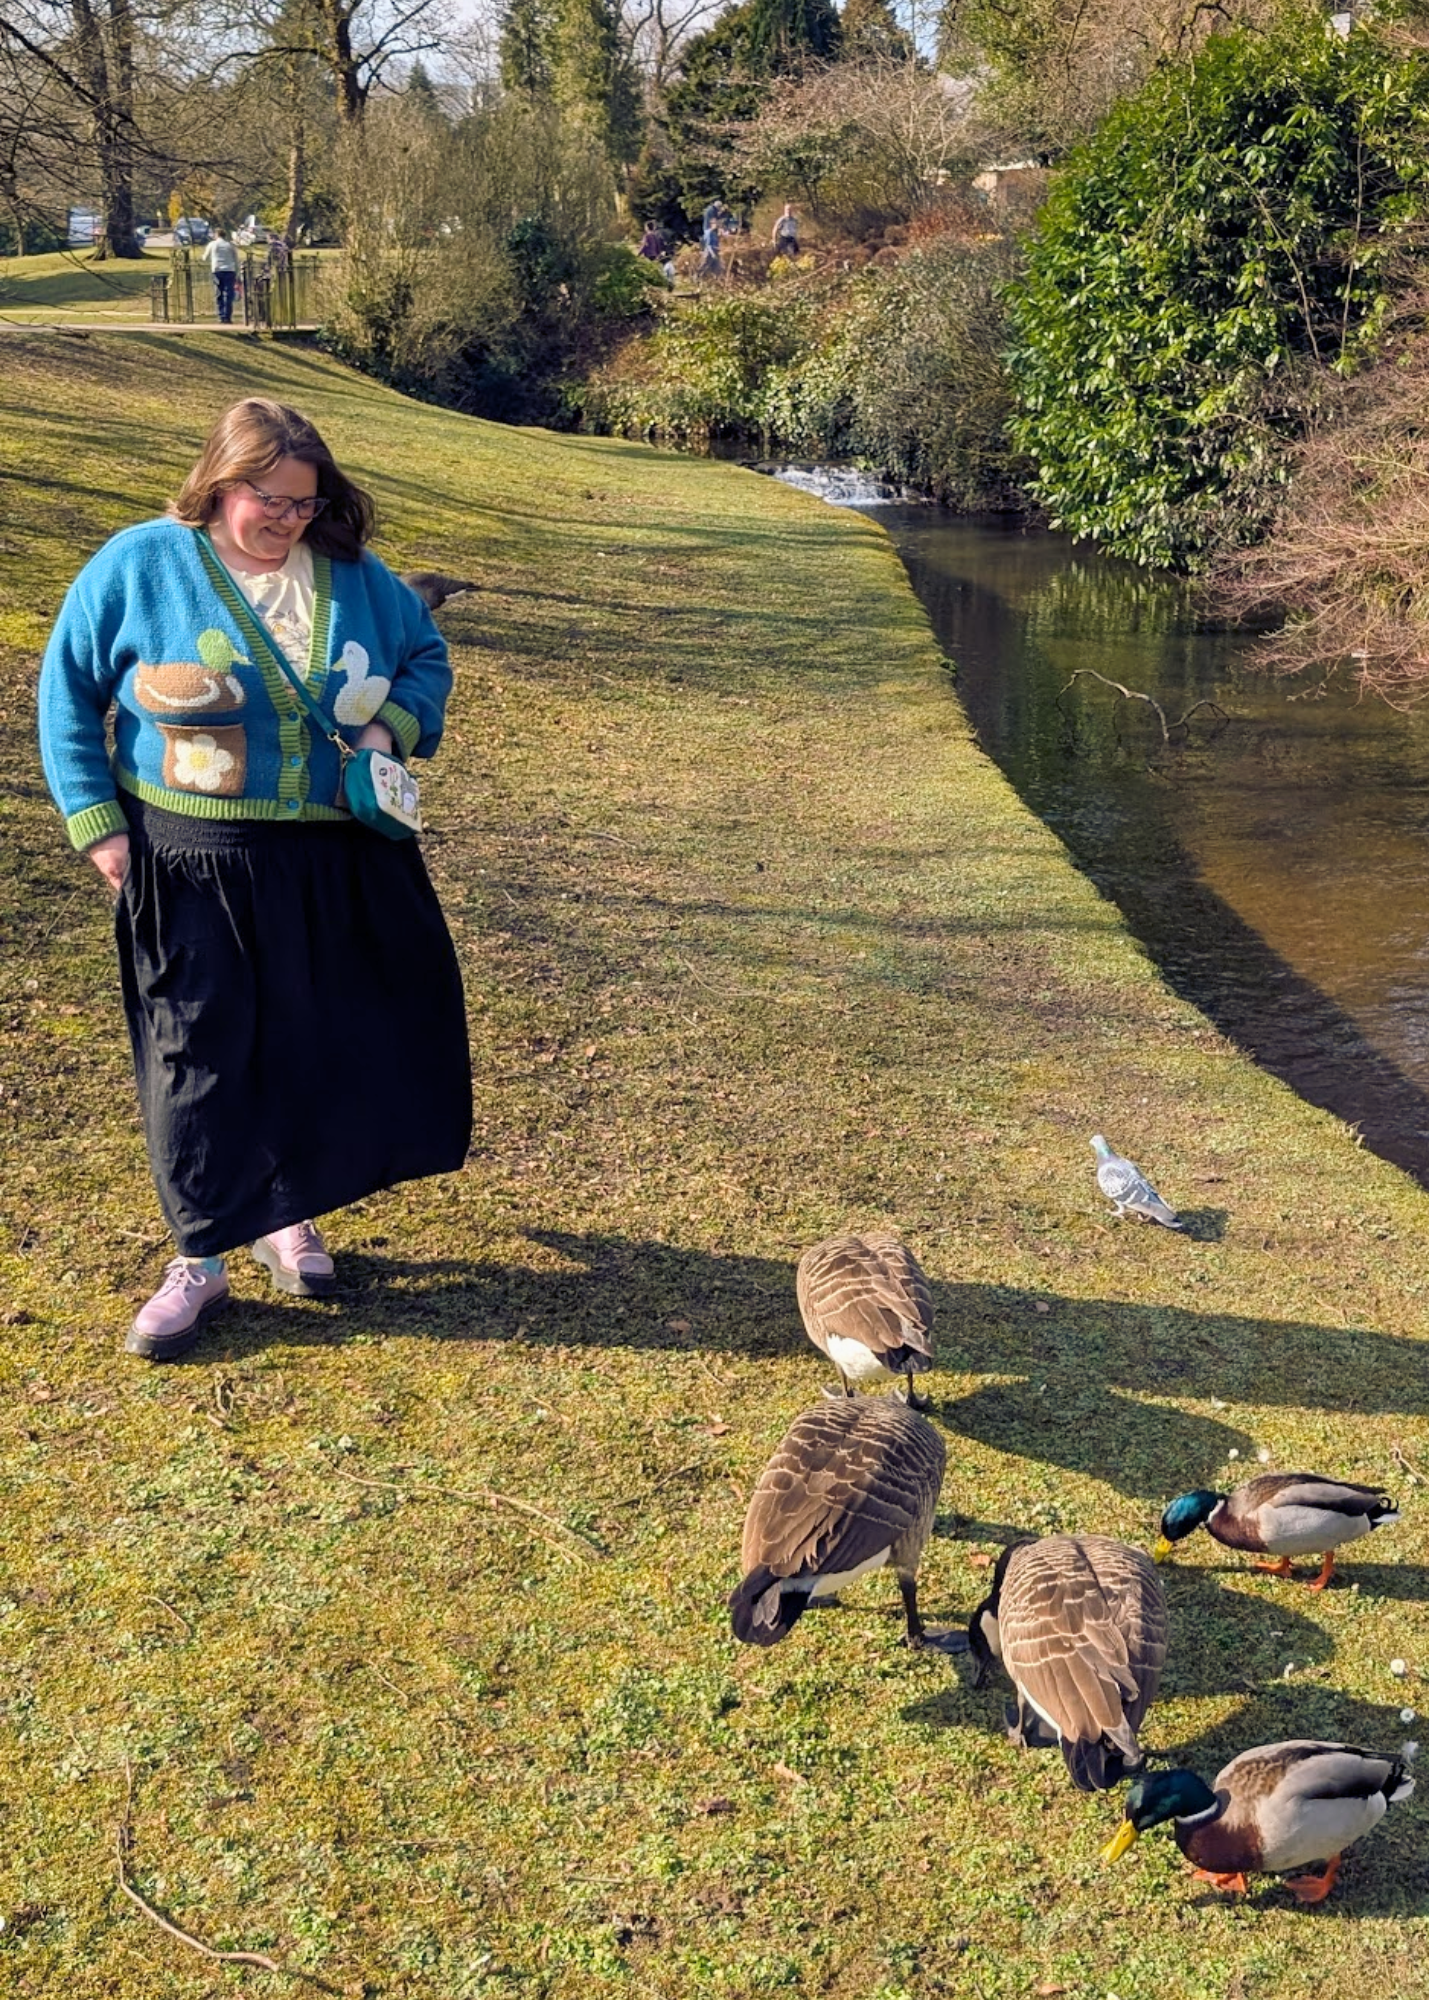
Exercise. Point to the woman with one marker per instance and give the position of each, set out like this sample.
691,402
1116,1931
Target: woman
291,991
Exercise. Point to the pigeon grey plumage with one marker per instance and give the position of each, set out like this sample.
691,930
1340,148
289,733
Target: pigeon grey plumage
1129,1188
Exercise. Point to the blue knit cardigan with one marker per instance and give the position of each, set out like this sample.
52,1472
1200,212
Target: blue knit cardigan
204,721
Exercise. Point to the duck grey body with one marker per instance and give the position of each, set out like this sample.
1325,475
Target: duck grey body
1079,1624
853,1485
866,1304
1125,1184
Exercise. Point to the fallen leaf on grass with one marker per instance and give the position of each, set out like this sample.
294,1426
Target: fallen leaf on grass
793,1777
979,1560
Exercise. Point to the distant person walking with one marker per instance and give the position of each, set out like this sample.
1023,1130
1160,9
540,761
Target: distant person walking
785,236
652,243
711,263
222,259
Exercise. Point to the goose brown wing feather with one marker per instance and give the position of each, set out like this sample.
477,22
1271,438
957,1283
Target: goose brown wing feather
868,1288
1083,1629
848,1481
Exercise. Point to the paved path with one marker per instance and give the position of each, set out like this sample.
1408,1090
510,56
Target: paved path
178,328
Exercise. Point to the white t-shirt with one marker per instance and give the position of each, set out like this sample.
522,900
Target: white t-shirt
220,255
283,599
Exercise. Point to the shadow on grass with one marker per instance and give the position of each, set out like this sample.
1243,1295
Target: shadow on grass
1094,1386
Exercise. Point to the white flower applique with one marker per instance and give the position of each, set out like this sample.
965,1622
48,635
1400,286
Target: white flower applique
365,692
201,763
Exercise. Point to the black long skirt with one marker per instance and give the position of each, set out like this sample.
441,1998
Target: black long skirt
296,1015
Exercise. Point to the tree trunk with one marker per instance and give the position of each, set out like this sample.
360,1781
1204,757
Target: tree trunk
336,17
106,65
297,149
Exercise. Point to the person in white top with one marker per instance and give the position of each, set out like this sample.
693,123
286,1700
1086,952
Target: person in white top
222,259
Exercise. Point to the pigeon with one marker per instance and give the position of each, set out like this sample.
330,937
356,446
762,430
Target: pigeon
433,589
1129,1188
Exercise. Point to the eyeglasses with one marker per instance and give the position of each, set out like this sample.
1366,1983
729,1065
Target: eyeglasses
278,507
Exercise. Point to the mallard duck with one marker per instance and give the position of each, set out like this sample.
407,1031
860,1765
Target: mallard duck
1079,1625
852,1486
1272,1810
1125,1184
866,1304
1282,1514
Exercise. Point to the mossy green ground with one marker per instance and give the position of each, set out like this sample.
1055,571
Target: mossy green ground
758,946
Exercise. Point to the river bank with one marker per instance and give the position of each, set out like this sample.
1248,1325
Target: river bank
758,945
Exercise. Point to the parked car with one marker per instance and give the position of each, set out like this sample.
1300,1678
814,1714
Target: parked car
189,230
250,233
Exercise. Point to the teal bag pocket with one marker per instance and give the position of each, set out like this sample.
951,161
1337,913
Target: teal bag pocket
382,793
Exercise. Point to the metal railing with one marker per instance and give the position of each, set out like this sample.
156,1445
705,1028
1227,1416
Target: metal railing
272,292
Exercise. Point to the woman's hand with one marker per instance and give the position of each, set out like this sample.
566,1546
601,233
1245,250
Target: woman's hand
111,857
377,736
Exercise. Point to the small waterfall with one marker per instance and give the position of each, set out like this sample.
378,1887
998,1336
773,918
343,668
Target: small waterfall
842,486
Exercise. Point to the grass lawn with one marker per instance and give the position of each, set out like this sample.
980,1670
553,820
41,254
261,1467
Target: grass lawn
758,945
68,284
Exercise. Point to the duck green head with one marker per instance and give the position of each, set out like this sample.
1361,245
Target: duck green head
1165,1795
1185,1513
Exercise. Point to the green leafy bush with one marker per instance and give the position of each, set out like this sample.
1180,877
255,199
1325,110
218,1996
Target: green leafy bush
898,369
1226,234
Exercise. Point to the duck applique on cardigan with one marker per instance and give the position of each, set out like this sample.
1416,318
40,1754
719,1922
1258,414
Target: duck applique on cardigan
204,721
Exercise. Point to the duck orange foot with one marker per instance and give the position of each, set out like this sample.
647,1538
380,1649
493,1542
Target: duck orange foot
1327,1570
1281,1568
1314,1888
1235,1885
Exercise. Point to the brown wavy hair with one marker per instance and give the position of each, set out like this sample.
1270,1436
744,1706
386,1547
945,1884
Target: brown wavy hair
246,443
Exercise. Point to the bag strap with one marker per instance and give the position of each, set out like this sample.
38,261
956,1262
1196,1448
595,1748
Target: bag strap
228,589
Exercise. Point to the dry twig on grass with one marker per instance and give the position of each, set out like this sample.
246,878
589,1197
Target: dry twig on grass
484,1496
123,1837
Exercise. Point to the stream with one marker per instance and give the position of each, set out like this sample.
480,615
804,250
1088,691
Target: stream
1274,860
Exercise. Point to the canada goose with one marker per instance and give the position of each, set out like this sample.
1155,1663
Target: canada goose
433,588
1281,1514
1079,1624
853,1486
1280,1807
866,1304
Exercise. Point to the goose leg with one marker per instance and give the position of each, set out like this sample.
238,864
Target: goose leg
1327,1570
844,1389
917,1635
1281,1568
1314,1888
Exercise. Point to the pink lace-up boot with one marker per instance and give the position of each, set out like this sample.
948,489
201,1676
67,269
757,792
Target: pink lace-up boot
173,1319
297,1261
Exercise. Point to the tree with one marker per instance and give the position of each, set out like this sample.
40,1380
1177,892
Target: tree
725,76
525,47
870,28
1055,70
68,77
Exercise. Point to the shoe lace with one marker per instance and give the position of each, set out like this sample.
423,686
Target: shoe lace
180,1275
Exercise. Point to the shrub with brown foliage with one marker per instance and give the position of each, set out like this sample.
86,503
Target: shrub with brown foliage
1346,565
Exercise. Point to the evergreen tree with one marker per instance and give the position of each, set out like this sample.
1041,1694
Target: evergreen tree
593,76
525,48
870,28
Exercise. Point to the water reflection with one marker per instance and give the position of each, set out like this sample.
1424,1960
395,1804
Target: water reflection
1277,867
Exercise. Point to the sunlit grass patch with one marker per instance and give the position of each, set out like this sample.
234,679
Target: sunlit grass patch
405,1611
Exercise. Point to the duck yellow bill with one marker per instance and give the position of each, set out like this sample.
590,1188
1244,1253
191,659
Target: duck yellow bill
1161,1550
1124,1838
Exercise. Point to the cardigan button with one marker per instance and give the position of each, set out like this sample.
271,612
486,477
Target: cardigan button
292,715
292,805
295,760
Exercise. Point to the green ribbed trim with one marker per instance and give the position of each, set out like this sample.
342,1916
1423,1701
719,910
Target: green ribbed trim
294,738
96,823
204,805
404,727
